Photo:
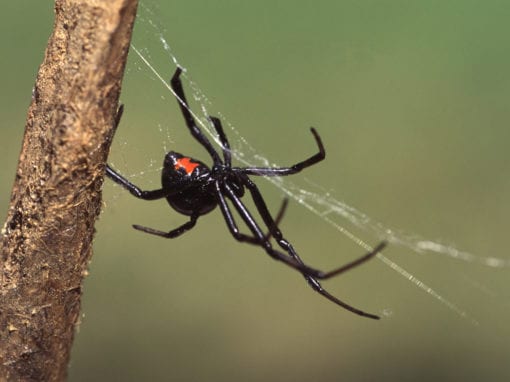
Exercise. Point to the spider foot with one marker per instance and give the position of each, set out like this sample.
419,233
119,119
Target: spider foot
316,286
177,74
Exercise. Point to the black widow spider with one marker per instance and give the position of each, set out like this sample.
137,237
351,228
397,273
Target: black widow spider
193,189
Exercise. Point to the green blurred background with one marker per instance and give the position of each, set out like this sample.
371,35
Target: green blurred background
412,101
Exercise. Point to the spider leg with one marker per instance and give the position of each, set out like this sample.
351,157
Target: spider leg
258,237
134,190
316,286
277,219
272,224
227,156
116,122
282,171
231,224
176,85
173,233
311,277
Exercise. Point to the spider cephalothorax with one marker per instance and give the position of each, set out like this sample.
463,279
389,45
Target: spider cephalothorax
194,189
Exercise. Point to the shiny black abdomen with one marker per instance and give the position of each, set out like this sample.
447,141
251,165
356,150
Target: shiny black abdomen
189,185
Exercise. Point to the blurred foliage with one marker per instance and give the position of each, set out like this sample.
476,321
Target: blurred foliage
412,101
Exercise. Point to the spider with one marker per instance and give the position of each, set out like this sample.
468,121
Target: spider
194,189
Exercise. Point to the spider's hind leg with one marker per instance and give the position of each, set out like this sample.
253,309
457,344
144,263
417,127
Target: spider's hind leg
171,234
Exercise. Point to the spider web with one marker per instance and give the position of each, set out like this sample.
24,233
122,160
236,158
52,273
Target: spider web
150,37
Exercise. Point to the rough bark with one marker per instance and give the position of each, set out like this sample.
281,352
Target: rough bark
46,242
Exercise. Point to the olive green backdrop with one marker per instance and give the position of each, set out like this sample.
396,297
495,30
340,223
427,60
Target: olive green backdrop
412,101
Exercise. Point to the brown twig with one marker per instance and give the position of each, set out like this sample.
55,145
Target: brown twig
56,198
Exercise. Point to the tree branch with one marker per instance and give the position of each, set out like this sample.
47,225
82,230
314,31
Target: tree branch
46,242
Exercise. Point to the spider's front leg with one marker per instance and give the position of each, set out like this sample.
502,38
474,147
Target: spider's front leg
176,85
225,145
